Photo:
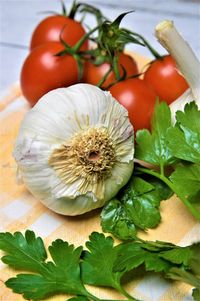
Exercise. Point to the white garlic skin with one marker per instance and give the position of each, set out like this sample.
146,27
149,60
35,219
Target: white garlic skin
187,63
52,122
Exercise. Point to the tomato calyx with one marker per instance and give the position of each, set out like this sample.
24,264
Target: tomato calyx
98,57
112,38
111,41
90,9
120,78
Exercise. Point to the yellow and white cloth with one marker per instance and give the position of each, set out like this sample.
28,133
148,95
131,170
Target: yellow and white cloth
19,211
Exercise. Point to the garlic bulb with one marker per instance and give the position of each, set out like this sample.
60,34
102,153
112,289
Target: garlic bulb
186,61
75,149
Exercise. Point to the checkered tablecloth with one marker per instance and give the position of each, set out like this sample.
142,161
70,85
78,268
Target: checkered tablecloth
19,211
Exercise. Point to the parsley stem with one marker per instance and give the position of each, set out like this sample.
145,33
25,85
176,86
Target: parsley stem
124,293
92,297
162,172
194,212
104,77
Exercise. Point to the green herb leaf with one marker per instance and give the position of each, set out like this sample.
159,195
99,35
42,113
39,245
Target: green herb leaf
181,274
24,252
132,255
98,262
177,255
152,147
186,179
186,134
136,206
103,264
115,219
144,210
66,259
161,256
154,263
28,253
157,246
167,145
194,260
142,200
112,38
35,287
163,191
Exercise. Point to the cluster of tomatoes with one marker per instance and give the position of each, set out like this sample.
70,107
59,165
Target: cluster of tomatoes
60,56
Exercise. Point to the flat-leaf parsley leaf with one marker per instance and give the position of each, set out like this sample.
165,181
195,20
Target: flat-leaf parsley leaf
103,264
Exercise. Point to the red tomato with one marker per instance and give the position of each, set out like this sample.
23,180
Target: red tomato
42,71
166,81
138,98
93,74
51,27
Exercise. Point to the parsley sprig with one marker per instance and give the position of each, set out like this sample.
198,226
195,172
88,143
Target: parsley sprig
66,273
62,275
135,207
172,153
177,147
102,264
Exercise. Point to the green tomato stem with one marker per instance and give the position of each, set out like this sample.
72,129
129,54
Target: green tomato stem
148,45
73,9
64,11
116,67
115,24
194,212
87,8
100,83
83,39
